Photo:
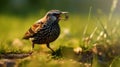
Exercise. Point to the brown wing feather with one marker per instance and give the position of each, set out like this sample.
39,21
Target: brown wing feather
32,30
35,28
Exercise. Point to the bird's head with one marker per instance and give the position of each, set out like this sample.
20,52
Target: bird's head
56,15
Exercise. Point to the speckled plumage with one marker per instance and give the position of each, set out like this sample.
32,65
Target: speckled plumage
47,34
45,30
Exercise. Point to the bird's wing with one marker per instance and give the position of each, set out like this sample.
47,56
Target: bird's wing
33,30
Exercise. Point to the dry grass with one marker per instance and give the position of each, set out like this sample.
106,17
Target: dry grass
92,42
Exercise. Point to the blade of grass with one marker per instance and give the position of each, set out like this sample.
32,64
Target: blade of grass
103,27
114,5
89,16
93,33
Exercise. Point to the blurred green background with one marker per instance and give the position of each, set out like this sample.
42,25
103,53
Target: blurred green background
25,7
16,16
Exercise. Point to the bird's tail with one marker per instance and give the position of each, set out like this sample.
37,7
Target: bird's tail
25,38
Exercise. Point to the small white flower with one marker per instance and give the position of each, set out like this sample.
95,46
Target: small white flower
17,42
66,31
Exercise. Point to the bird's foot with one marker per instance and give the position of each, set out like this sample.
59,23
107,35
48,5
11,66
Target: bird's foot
57,53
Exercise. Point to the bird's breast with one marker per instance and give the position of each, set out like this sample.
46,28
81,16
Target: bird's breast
54,32
47,34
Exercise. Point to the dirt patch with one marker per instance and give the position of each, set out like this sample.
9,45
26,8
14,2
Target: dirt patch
15,55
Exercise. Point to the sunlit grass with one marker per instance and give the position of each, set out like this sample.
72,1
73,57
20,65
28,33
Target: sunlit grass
74,33
87,33
72,36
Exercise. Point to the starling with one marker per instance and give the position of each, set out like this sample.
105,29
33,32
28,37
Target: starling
47,29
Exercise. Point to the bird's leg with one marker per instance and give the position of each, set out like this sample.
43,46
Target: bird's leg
48,46
32,45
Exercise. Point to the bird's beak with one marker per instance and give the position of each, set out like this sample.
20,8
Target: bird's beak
64,12
64,16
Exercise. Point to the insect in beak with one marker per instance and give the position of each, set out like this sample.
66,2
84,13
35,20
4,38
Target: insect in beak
64,16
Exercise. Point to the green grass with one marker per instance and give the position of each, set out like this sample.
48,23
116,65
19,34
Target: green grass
83,31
